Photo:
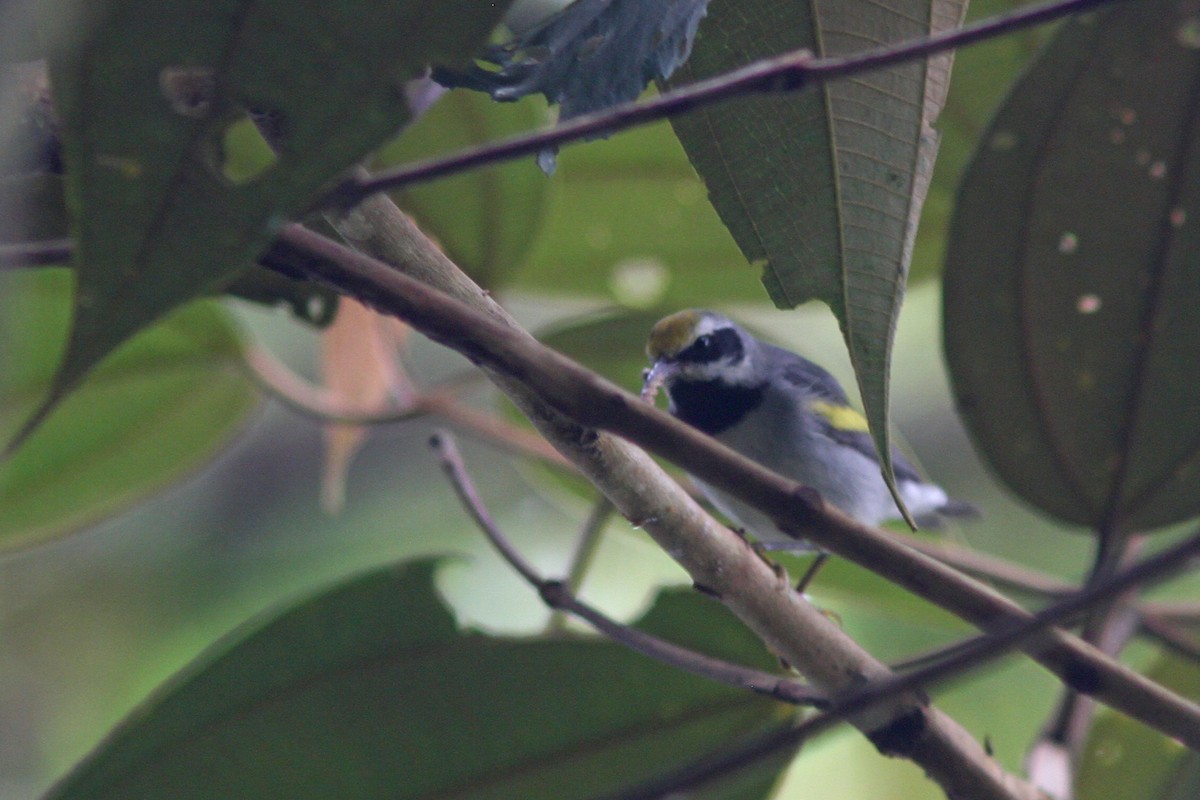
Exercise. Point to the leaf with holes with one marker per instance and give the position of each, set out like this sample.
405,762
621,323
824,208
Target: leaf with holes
1072,302
158,216
370,691
823,188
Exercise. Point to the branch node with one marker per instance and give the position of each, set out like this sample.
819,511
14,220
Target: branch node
555,594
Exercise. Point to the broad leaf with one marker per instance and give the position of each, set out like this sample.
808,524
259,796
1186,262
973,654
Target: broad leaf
369,691
162,406
158,216
983,73
1072,308
823,188
1125,760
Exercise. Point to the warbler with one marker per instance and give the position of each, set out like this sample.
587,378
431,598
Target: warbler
786,413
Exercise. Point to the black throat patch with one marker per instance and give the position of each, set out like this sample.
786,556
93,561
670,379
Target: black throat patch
713,406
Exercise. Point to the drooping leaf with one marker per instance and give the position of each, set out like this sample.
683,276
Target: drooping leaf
822,188
1072,305
369,691
162,406
591,55
158,216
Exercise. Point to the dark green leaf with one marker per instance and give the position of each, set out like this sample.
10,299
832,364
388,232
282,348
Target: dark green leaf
369,691
590,55
163,405
823,188
982,75
309,301
159,217
1125,760
1072,308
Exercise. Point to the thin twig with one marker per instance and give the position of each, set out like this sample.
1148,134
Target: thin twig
279,382
586,545
35,254
972,653
1183,612
786,72
557,595
992,568
1171,636
1109,627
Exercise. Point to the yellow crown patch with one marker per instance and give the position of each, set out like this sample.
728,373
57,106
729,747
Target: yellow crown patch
672,334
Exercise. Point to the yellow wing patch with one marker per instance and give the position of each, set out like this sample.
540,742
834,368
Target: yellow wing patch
842,418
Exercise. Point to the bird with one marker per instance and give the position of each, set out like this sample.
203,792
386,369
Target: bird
788,414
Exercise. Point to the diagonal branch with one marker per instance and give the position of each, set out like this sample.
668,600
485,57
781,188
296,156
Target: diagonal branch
641,491
558,596
971,653
595,402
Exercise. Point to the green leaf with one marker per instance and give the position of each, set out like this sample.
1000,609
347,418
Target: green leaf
983,73
823,188
1072,313
159,217
369,691
485,219
1125,760
590,55
162,406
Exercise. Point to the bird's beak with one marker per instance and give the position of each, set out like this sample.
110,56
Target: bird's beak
654,378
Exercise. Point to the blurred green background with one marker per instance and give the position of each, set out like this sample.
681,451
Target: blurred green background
92,622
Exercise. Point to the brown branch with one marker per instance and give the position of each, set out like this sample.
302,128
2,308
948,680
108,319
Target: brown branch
595,402
35,254
559,597
642,492
991,568
1172,636
787,72
971,653
586,546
